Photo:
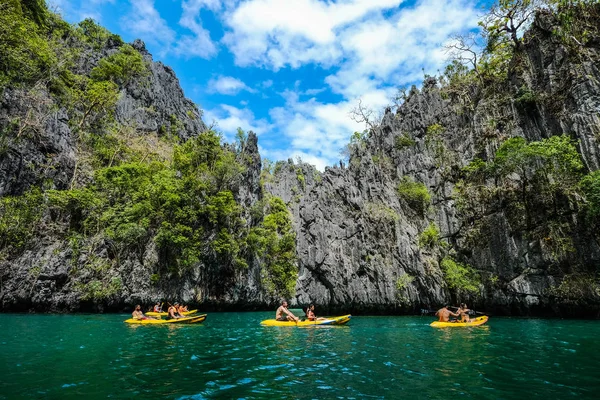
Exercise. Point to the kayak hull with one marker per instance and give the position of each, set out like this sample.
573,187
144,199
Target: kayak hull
474,322
196,319
164,314
344,319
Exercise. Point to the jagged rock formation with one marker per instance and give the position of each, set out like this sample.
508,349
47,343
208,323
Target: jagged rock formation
149,104
356,237
359,242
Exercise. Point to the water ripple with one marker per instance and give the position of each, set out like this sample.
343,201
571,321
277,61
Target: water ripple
232,356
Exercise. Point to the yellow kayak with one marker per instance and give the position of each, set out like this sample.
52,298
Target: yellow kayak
186,320
164,314
474,322
328,321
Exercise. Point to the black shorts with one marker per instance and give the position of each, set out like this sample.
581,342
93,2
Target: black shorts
282,319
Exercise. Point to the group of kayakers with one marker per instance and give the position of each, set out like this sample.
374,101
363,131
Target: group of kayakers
174,311
177,311
462,311
283,314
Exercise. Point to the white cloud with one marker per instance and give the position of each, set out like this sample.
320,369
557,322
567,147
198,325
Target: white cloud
312,92
230,118
194,6
275,155
79,10
145,22
397,49
369,46
228,85
277,33
199,44
316,131
373,53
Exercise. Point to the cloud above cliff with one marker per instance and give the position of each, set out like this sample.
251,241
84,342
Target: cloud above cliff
365,49
290,70
227,85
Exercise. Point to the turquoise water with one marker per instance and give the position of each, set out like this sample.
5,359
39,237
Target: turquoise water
232,356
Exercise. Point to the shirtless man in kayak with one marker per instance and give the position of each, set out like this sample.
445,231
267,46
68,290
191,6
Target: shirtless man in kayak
445,314
279,315
138,314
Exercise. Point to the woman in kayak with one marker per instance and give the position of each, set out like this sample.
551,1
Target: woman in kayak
463,311
173,312
310,314
158,307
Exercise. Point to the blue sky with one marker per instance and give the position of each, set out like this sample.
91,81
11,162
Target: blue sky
290,70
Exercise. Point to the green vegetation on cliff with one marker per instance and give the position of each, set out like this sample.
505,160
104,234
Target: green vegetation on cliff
414,193
537,184
132,194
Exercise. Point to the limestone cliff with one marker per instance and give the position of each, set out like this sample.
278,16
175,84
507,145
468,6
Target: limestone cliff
423,213
357,237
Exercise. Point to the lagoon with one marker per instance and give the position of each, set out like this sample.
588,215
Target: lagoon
232,356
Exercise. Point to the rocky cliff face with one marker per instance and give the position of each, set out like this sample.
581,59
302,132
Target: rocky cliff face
44,150
357,237
360,242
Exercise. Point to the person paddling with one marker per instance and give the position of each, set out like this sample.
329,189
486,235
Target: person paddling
158,307
173,312
463,311
283,309
444,314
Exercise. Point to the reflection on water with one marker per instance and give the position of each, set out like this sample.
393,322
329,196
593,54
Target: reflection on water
233,356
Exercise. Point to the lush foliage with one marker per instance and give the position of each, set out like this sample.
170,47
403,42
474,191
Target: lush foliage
25,54
120,67
381,213
274,241
590,185
186,207
577,289
414,193
98,290
96,35
19,219
578,21
401,285
526,176
430,237
403,141
460,277
129,192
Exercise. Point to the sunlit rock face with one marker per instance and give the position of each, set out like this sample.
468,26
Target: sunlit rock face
357,237
359,243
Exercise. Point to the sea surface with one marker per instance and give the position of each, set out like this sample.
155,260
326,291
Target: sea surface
231,356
